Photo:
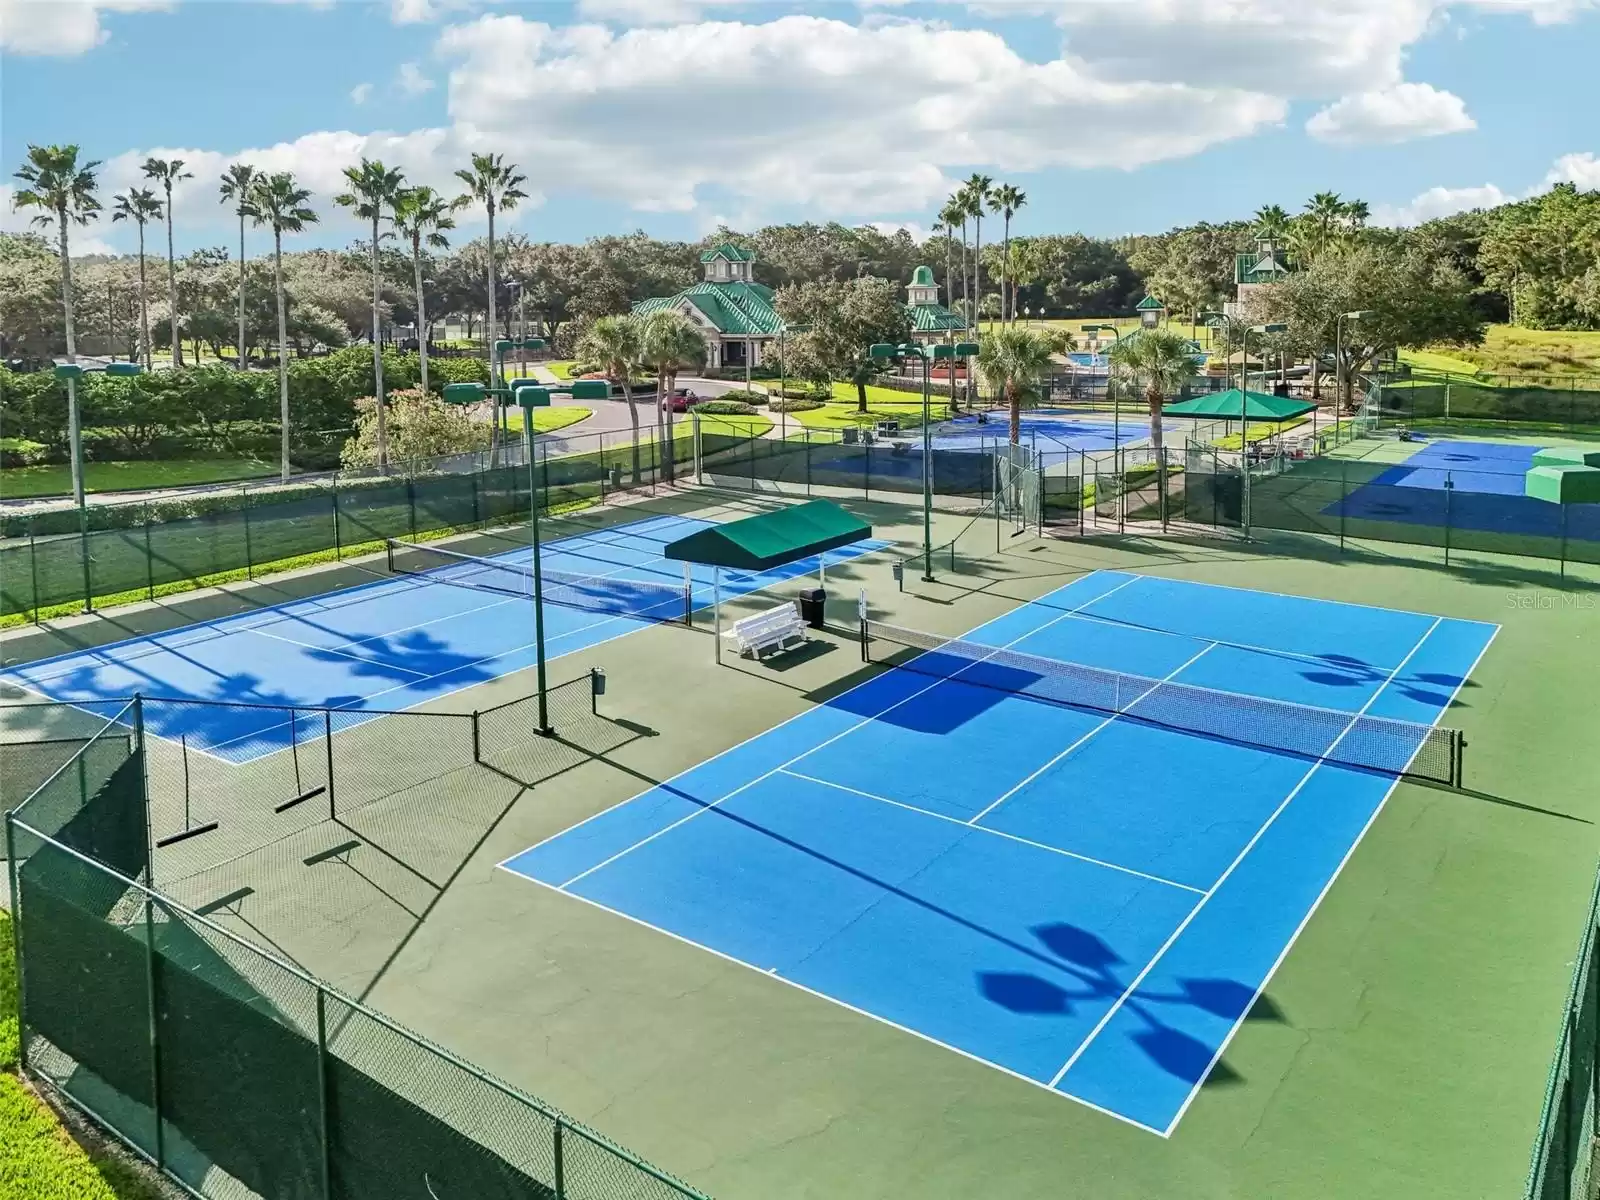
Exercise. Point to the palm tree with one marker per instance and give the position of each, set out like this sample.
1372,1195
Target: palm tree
668,342
1356,214
1156,361
616,343
277,200
139,205
956,210
168,172
1006,200
422,217
373,188
1012,361
949,217
237,181
497,187
976,194
62,190
1324,213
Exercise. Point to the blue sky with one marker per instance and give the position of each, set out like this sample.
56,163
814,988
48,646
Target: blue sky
673,115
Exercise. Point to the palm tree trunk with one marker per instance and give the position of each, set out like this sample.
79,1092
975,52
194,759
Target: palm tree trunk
661,415
73,424
633,416
489,336
172,288
1153,397
377,358
241,363
669,450
977,283
1005,260
1014,400
283,350
144,304
422,311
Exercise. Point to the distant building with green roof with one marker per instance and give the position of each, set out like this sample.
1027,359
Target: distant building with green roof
737,318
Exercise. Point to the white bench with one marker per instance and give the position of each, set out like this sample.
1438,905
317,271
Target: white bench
777,628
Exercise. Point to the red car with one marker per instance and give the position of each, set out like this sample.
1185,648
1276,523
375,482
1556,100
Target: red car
680,400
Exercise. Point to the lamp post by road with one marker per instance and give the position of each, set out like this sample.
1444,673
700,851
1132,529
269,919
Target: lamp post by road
1338,354
950,351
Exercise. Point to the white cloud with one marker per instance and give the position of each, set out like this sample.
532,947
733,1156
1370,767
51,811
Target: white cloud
918,232
651,12
1395,114
62,27
1582,169
788,98
417,12
412,81
361,93
1439,202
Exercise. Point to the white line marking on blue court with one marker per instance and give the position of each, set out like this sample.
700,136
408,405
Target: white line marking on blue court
750,783
1315,904
1103,725
771,973
1233,866
1010,837
389,666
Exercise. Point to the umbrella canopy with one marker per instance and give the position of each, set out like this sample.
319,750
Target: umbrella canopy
1236,405
771,539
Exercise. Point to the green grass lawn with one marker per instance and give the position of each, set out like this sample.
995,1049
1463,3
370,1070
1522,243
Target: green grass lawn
841,411
55,479
561,369
1508,350
548,420
38,1159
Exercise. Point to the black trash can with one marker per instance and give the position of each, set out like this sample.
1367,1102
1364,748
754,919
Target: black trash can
812,602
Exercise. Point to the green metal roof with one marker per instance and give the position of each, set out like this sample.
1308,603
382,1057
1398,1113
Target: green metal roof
934,318
733,308
922,277
771,539
1149,303
728,251
1236,405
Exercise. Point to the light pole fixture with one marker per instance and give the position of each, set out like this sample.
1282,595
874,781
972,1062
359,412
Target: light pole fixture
71,373
942,350
1338,351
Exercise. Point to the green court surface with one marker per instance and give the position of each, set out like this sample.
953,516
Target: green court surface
1401,1048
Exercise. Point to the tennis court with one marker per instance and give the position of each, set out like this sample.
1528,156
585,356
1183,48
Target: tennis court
442,623
1468,485
1073,846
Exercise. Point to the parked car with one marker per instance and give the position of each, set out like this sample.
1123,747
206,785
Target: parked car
681,399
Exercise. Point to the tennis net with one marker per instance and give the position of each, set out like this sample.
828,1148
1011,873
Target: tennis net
1384,744
642,598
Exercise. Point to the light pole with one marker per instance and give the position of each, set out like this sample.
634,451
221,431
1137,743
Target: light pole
1338,354
945,350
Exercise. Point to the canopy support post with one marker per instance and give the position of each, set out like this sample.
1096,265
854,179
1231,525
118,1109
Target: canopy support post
716,610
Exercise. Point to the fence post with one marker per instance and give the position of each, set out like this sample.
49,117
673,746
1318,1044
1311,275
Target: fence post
33,574
1449,487
155,1040
249,555
16,941
327,738
560,1162
477,519
411,506
1344,498
338,550
83,552
149,559
322,1092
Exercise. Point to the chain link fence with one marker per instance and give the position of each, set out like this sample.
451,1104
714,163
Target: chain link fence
228,1067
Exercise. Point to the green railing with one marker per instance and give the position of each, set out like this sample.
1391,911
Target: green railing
1563,1153
227,1067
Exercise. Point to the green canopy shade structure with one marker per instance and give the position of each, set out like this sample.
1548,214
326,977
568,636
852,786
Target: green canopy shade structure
1236,405
1564,484
1567,456
771,539
762,542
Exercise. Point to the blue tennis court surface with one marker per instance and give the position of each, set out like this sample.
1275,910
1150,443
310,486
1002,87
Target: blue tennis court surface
388,645
1056,435
1486,493
1086,902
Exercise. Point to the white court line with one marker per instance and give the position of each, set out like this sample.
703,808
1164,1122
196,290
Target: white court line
1170,675
999,833
750,783
764,732
1310,912
771,973
331,650
1233,866
466,612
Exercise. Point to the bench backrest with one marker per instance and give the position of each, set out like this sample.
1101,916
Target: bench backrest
773,619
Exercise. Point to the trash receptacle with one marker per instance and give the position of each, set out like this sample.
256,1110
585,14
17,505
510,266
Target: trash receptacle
812,601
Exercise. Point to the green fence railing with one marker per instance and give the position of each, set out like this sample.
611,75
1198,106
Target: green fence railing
230,1069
